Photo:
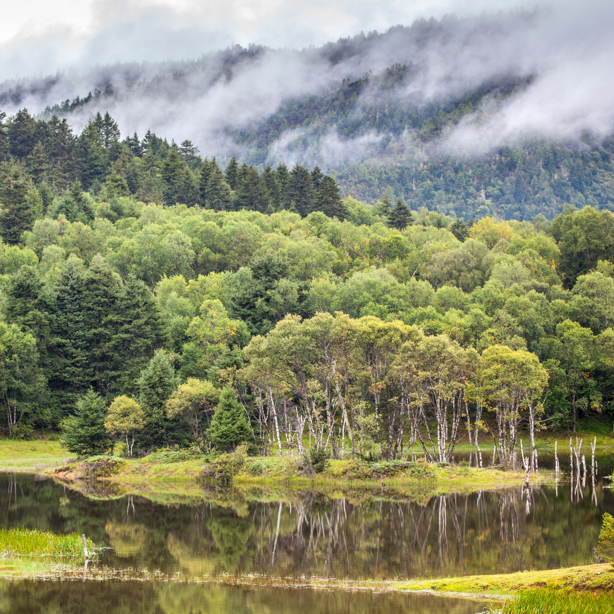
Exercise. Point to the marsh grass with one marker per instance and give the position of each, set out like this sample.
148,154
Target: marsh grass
552,601
43,544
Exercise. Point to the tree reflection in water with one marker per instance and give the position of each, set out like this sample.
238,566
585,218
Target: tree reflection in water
307,534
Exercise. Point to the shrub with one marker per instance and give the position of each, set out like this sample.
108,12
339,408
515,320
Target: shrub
227,465
605,548
319,459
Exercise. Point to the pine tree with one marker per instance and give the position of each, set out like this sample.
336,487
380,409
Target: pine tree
109,130
203,181
157,383
229,426
70,373
19,200
300,190
384,206
101,293
232,173
22,129
172,175
252,192
316,177
400,217
328,199
272,184
283,179
189,152
73,205
38,163
217,194
84,433
4,138
138,332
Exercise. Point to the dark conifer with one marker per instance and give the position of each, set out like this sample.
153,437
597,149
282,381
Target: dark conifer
300,190
328,199
232,173
19,201
400,217
84,433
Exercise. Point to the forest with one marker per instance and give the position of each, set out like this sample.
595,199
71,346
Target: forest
150,295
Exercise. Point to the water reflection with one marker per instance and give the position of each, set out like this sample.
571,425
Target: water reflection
307,534
160,598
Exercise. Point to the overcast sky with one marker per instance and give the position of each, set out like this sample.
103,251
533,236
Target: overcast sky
38,37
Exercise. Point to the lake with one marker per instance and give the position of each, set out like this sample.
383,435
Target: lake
296,534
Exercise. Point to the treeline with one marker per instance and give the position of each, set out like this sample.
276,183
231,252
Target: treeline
47,165
357,331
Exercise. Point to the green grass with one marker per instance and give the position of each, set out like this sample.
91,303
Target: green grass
591,578
33,456
25,552
551,601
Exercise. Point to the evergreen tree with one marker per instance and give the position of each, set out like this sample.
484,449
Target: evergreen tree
109,130
19,200
460,230
229,426
300,190
329,199
92,157
232,173
84,433
252,192
203,181
101,292
316,177
138,332
283,179
38,163
272,185
384,206
156,385
217,193
73,205
70,372
189,153
400,217
172,176
4,138
22,134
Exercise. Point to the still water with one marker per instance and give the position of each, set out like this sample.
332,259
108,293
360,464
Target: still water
165,598
298,534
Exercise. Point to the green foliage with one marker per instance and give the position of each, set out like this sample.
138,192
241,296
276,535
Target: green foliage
157,383
84,433
29,542
229,427
319,459
225,466
605,547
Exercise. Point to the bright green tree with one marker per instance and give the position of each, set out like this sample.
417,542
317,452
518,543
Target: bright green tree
125,417
84,433
229,426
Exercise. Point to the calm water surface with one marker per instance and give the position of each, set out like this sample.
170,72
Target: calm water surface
304,534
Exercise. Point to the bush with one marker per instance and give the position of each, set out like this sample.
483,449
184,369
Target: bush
227,465
605,548
319,459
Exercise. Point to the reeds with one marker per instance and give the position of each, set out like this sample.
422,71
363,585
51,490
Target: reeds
33,543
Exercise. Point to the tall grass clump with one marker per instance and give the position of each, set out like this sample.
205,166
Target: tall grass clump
552,601
30,542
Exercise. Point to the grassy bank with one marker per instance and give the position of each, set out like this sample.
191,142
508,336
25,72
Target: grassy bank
33,456
591,578
168,476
